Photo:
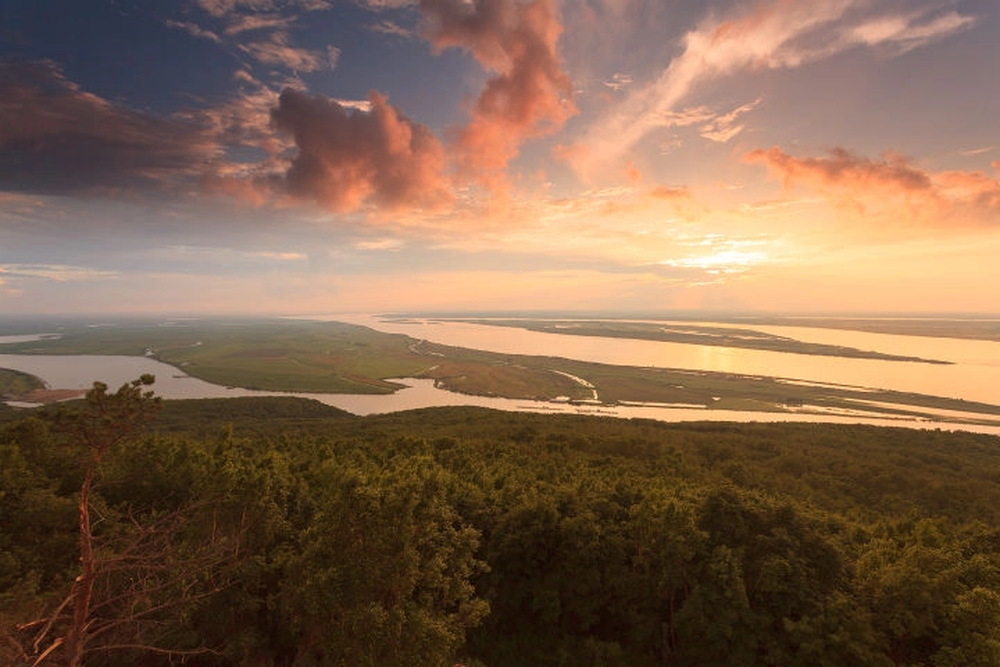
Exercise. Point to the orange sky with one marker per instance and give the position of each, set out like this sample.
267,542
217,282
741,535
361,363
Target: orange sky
599,155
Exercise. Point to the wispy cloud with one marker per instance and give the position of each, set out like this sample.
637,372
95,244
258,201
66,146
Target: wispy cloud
906,31
387,27
195,30
382,244
278,50
262,30
379,5
56,272
723,128
251,22
776,34
223,8
279,256
969,152
619,81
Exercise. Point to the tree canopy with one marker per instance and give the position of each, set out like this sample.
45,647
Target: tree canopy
277,531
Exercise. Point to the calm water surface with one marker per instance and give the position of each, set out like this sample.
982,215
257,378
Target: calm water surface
975,375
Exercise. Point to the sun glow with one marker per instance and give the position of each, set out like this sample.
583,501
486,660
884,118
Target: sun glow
725,256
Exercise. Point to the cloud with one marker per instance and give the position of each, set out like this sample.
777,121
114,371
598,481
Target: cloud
261,30
907,31
619,81
195,31
279,256
975,187
380,5
243,120
844,170
890,184
774,35
57,272
383,244
56,138
277,50
224,8
357,105
251,22
670,194
723,128
969,152
391,28
346,157
528,94
13,203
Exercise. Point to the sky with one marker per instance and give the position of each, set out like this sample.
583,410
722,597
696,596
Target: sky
325,156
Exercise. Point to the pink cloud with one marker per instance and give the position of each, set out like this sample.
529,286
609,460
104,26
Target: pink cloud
843,169
976,187
890,184
347,158
528,95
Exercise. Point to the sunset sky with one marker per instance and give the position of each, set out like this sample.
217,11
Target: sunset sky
324,156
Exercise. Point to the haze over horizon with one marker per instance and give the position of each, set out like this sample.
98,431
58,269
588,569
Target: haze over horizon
323,156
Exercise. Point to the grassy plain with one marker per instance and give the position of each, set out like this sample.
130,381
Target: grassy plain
332,357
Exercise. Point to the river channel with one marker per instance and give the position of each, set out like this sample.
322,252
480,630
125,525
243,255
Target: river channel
973,375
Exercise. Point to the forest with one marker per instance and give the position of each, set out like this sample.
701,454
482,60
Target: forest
280,531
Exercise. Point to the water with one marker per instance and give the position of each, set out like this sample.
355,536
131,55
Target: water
973,375
978,363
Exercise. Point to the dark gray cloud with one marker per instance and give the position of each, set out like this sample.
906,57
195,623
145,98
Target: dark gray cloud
56,138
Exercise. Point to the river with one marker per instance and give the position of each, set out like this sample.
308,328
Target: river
978,364
973,375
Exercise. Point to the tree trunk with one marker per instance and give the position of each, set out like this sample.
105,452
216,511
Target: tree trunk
83,587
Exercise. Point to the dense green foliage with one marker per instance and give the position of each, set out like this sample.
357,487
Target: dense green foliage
502,539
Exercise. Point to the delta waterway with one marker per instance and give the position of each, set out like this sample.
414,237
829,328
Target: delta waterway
973,374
